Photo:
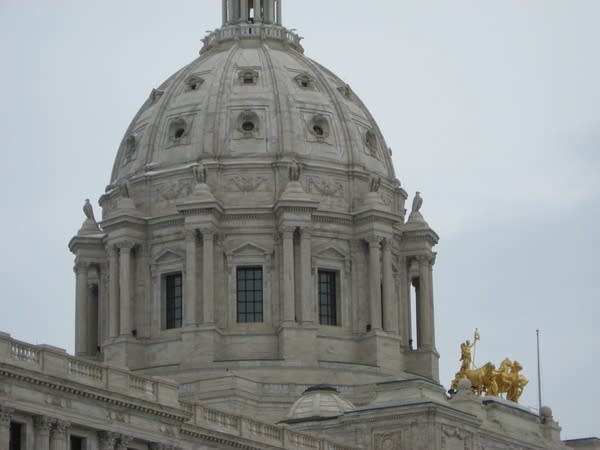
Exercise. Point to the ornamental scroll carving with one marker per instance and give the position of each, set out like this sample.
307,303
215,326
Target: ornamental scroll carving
325,187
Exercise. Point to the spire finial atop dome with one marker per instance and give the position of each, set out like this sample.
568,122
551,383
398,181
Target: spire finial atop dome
264,11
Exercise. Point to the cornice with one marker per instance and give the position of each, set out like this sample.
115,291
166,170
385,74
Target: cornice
93,393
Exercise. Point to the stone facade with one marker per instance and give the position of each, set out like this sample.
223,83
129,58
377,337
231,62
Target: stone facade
254,242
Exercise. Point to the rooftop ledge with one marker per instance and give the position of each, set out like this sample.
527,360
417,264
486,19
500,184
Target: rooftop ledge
252,31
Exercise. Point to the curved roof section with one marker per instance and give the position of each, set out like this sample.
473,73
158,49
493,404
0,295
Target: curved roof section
252,95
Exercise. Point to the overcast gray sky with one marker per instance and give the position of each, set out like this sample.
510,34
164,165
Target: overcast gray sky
492,109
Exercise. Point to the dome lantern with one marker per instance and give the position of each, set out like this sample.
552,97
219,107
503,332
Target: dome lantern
254,11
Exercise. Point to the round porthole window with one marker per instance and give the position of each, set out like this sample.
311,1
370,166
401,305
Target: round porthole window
248,126
318,130
179,133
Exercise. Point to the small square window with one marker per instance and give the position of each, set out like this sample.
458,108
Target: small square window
173,301
249,294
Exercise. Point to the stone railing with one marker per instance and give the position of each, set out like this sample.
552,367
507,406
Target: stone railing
56,362
251,31
268,434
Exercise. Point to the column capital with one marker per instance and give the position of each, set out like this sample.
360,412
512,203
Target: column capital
107,439
306,231
387,244
287,231
374,240
207,231
125,245
60,427
43,423
123,441
428,259
6,415
111,250
190,234
81,265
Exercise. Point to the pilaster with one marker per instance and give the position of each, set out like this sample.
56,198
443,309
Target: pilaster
390,307
374,243
58,435
208,288
191,298
106,440
113,291
41,426
289,316
122,442
5,418
307,313
125,248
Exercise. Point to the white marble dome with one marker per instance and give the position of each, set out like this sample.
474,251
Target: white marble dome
252,100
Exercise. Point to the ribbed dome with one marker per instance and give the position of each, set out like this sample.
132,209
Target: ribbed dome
319,402
251,98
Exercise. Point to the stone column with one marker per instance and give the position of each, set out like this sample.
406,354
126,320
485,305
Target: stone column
113,291
375,282
404,319
278,12
425,306
289,315
224,9
257,11
41,425
268,11
244,11
308,302
81,309
191,296
125,288
106,440
93,293
208,289
58,435
390,307
5,418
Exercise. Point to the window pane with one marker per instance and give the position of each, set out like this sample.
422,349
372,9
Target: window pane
173,301
327,297
249,294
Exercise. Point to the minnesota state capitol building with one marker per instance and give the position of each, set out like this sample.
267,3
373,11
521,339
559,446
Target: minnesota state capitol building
249,284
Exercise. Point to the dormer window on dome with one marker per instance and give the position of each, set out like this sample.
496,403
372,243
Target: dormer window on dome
371,140
319,127
248,77
130,148
305,81
193,83
178,130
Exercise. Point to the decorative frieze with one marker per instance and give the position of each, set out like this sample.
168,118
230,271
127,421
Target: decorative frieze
246,183
172,190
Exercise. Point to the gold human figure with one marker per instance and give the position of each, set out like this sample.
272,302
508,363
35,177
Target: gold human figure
465,355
